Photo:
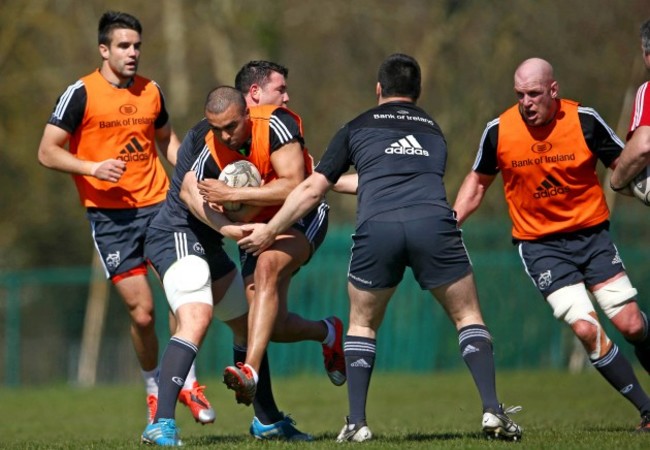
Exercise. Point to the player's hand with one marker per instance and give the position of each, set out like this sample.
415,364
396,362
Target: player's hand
215,191
259,238
108,170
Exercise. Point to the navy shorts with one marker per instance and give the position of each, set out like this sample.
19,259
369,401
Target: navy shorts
119,237
313,226
426,239
587,256
163,248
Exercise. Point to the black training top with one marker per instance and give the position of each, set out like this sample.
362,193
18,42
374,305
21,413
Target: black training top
399,153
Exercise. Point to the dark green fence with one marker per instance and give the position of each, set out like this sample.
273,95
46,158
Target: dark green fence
42,313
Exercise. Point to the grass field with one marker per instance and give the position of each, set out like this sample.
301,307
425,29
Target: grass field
424,411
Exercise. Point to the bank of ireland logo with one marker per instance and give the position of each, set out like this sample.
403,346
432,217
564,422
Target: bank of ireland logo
128,109
541,147
544,280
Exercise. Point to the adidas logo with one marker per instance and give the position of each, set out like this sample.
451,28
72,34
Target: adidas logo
406,146
550,187
133,151
469,349
361,363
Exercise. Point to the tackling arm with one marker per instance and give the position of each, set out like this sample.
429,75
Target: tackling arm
471,194
347,184
299,202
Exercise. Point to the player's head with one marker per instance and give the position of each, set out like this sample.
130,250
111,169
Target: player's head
645,41
227,114
399,76
119,37
536,91
263,83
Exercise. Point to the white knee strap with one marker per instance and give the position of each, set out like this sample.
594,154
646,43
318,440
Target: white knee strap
615,295
187,281
233,304
571,303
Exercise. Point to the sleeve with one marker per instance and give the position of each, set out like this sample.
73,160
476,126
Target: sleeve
284,129
600,138
486,158
336,161
641,111
163,116
70,107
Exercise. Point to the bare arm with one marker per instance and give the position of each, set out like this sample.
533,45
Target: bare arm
201,210
168,143
471,193
289,166
299,202
53,154
635,156
347,184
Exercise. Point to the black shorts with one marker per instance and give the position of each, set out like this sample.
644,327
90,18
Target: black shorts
313,226
163,248
431,245
588,256
119,237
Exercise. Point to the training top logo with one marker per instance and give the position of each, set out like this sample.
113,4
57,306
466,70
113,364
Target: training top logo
133,151
541,147
406,146
550,187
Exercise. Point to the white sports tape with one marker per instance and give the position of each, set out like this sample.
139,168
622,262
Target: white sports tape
615,295
188,281
233,304
571,303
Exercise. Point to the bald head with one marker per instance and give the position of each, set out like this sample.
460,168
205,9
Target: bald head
536,91
534,69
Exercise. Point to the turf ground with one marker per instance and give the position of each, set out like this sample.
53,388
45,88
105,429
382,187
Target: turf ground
424,411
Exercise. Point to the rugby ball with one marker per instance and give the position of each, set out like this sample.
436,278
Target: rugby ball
640,186
238,174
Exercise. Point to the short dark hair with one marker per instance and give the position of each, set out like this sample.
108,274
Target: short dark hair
399,76
221,97
114,20
645,37
257,72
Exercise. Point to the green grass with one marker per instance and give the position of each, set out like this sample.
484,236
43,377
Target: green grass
440,410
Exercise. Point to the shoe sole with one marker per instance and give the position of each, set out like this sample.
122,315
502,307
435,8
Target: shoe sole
234,382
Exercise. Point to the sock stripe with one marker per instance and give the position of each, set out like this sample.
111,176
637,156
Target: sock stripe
184,343
605,360
356,346
473,333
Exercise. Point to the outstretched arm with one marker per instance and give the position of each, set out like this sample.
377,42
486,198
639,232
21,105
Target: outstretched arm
347,184
471,194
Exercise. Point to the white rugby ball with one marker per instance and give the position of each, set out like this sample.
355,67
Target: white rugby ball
240,173
640,186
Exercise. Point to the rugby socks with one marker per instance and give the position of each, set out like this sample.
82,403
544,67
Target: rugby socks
618,372
150,378
642,346
266,410
476,349
359,363
174,366
191,377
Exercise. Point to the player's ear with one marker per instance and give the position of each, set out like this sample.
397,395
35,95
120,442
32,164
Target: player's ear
254,92
378,89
